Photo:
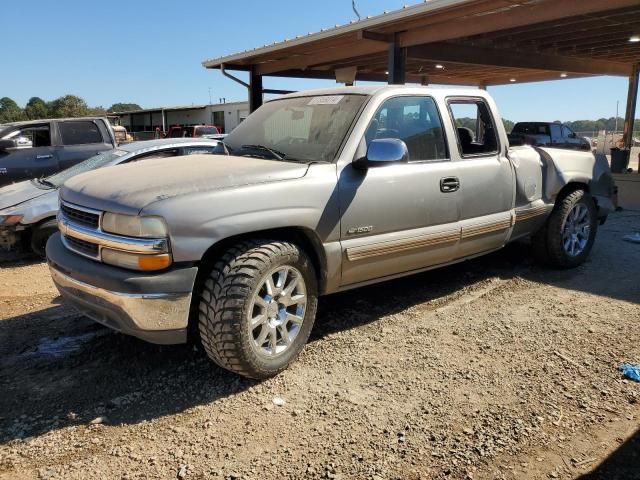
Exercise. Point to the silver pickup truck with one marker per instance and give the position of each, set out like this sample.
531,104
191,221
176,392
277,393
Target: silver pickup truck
319,192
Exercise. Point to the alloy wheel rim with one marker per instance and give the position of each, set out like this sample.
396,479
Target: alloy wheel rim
576,230
277,311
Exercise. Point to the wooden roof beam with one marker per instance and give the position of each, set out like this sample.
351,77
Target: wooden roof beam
515,17
515,59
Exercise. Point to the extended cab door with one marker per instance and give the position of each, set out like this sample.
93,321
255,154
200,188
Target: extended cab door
35,157
81,139
487,186
399,218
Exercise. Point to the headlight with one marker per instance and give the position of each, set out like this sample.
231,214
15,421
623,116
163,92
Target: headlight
134,226
135,261
10,220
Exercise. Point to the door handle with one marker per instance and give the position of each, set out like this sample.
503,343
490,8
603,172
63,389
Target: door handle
449,184
43,157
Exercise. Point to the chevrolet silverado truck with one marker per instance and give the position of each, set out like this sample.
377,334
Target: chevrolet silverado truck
37,148
318,192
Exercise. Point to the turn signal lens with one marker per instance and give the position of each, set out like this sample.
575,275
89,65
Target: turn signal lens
134,261
154,262
9,220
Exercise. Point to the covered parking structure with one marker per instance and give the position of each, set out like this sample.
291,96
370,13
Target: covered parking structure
461,42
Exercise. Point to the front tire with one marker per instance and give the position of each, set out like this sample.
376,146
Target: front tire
569,233
257,307
40,234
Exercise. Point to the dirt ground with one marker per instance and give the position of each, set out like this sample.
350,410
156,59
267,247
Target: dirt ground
495,368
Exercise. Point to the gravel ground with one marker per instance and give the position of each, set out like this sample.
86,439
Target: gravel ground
494,368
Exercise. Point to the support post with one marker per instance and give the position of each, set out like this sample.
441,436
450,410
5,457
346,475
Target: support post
397,63
632,100
255,91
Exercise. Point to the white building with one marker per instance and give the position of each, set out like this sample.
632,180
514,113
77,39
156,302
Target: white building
226,116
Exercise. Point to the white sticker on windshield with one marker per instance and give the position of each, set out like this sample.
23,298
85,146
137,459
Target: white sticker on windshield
326,100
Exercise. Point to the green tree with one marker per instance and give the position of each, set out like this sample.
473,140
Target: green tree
124,107
10,111
68,106
508,125
97,111
36,109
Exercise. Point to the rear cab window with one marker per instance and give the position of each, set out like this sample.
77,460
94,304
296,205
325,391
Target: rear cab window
80,132
475,128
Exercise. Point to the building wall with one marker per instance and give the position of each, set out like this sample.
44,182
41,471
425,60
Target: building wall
148,120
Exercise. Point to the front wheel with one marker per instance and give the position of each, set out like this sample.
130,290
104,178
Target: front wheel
41,234
567,238
257,307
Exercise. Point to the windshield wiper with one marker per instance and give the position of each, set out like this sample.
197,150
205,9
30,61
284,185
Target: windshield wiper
276,154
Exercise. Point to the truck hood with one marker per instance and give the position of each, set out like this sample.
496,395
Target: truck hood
20,192
129,188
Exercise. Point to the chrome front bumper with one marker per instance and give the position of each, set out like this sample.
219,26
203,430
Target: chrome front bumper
157,318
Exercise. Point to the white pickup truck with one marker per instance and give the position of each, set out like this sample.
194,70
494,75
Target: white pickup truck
316,192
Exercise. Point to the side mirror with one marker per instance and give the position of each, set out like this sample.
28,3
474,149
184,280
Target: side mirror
382,152
8,144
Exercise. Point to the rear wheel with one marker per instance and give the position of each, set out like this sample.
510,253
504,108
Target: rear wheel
40,234
257,307
567,238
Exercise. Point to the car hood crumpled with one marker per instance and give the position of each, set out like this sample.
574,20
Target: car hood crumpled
129,188
16,193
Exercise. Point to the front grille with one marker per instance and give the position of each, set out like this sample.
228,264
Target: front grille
80,246
80,216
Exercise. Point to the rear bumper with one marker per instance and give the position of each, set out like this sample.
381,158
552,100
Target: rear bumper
154,308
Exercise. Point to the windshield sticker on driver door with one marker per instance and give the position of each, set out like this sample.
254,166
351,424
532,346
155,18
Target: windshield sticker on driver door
326,100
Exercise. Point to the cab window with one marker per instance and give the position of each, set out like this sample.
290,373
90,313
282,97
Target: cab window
32,136
475,129
415,121
80,133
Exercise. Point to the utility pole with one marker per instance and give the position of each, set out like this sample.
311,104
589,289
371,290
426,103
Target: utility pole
617,107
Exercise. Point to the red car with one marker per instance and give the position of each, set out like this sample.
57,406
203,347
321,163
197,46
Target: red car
195,131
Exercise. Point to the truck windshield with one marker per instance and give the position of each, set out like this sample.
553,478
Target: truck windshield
100,160
304,129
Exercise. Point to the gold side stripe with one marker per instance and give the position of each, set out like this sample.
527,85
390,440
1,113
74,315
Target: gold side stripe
388,248
476,230
526,214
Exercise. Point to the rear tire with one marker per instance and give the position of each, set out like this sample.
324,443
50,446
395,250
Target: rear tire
40,234
257,307
567,237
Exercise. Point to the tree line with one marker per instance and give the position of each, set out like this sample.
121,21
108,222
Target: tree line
65,106
74,106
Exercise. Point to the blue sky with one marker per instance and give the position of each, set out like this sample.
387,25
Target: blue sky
150,53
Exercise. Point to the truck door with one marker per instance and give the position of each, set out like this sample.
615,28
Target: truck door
572,141
556,135
34,158
80,140
487,186
399,218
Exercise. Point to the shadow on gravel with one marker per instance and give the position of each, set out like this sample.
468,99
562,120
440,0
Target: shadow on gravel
623,464
63,369
104,374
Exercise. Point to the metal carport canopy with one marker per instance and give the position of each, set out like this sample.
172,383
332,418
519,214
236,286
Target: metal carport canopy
462,42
